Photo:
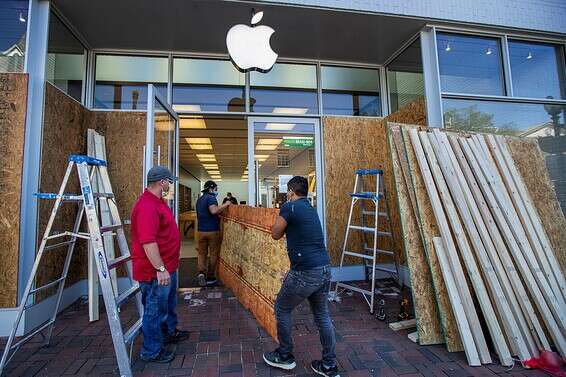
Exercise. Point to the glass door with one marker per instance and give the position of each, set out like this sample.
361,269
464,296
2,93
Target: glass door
161,139
278,149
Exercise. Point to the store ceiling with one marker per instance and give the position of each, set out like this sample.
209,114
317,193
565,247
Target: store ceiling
201,26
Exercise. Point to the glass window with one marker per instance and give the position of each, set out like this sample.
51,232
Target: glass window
121,81
350,91
65,59
537,70
405,77
286,89
13,26
470,64
207,85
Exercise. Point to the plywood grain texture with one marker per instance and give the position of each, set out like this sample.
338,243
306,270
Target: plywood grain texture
530,163
422,289
13,106
351,144
412,113
429,230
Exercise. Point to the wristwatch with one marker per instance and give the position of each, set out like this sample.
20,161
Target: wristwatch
161,269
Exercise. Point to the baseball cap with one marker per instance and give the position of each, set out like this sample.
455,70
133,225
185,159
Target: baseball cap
209,185
157,173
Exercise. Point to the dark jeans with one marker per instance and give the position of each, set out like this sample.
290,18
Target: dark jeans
159,316
312,285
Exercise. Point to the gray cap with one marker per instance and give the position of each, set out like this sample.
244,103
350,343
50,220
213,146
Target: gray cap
157,173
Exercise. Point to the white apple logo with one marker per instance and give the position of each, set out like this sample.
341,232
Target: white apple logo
249,47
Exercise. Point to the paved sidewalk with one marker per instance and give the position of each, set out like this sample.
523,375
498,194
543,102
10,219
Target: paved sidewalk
227,341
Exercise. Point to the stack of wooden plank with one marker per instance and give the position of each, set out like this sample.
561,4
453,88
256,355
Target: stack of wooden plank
476,247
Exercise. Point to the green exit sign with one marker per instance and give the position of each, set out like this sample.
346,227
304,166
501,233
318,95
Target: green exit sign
298,142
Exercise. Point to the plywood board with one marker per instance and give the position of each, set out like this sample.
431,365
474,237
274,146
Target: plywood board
412,113
13,106
530,163
424,295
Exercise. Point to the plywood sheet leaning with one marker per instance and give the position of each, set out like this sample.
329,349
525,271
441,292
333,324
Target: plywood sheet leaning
412,113
13,106
349,144
528,160
429,230
424,296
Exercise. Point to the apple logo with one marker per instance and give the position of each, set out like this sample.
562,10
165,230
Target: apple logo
249,47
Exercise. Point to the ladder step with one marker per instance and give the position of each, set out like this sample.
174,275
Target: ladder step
370,230
86,236
57,245
32,334
366,195
372,213
47,285
384,269
106,195
354,288
54,196
131,334
354,254
379,251
369,171
124,296
79,159
109,228
118,261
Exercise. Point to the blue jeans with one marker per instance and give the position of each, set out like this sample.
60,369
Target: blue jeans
312,285
159,316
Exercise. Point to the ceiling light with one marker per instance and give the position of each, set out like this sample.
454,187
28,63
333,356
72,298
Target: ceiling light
210,166
206,157
192,123
243,180
261,157
198,140
448,48
194,108
530,56
279,126
214,172
290,110
269,142
216,177
488,52
266,147
22,19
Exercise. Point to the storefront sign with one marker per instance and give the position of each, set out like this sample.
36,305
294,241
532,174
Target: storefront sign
298,142
249,47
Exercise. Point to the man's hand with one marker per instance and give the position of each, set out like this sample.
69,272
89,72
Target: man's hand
163,278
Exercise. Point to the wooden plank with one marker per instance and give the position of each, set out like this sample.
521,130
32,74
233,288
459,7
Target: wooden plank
466,332
403,325
413,337
499,256
473,224
461,300
489,190
429,229
548,251
424,296
444,218
512,217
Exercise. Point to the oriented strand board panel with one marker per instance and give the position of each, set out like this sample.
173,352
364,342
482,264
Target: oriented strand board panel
532,167
64,133
429,230
13,106
412,113
349,144
424,296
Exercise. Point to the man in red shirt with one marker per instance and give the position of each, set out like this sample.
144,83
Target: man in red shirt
156,244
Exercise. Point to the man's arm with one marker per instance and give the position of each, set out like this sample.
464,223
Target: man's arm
152,252
278,229
215,209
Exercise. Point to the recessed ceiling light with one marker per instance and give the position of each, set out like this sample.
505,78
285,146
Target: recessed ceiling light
198,140
210,166
269,142
290,110
216,177
206,157
194,108
192,123
448,48
488,52
261,157
279,126
266,147
213,172
530,56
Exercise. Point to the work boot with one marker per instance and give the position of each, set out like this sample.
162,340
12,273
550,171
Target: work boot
177,336
276,360
163,357
201,279
319,368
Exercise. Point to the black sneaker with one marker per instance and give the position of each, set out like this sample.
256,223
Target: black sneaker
211,282
201,280
319,368
276,360
163,357
177,336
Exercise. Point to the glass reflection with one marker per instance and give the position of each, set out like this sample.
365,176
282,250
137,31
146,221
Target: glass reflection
14,16
405,77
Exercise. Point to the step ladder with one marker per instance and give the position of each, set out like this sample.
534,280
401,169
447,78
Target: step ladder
371,250
87,202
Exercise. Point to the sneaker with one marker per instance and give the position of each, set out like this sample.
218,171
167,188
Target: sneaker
276,360
177,336
211,282
319,368
163,357
201,280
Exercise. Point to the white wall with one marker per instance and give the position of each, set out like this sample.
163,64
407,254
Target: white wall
238,189
190,181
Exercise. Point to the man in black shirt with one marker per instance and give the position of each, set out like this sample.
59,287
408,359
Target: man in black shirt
230,198
308,278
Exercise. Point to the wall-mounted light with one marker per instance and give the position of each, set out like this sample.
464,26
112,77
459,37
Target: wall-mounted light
488,52
22,19
530,56
448,48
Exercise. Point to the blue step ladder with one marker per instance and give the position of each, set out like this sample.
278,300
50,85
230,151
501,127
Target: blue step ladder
369,225
88,205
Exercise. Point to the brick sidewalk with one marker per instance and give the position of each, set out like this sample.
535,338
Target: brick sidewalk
226,341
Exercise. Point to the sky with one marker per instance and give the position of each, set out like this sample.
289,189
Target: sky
11,28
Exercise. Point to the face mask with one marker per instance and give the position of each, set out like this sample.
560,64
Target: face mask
215,193
169,194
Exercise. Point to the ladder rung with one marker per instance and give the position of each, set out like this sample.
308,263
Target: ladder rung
79,159
354,254
385,269
54,196
354,288
131,334
31,335
372,213
362,228
366,195
57,245
379,251
109,228
369,171
124,296
118,261
47,285
106,195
